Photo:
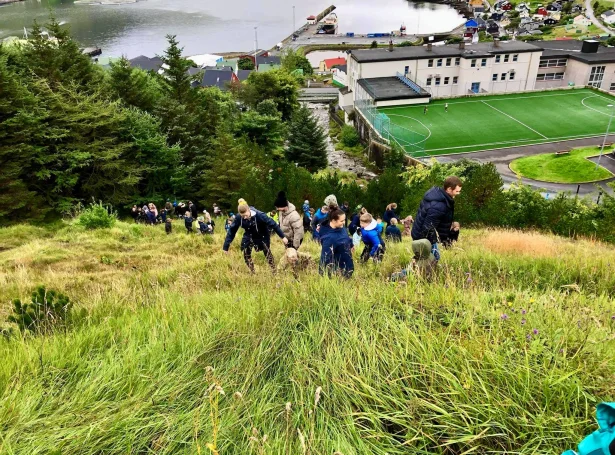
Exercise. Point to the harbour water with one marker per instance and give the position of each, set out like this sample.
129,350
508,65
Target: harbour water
204,26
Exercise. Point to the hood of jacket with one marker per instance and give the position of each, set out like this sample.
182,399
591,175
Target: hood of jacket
291,209
373,225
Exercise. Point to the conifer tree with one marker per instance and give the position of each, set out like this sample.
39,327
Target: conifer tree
134,86
307,142
177,79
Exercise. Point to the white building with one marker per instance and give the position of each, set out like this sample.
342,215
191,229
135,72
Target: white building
413,75
608,17
441,71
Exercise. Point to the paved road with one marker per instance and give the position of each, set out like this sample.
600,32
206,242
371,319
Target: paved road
311,40
590,14
502,158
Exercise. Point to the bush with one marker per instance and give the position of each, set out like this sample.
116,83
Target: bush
374,44
46,311
97,216
349,136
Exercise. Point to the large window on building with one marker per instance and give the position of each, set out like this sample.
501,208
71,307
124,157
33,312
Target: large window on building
437,81
483,62
449,61
596,75
455,80
511,76
553,62
503,78
506,58
550,77
457,61
515,57
473,63
612,89
498,58
430,63
494,77
428,81
439,62
446,80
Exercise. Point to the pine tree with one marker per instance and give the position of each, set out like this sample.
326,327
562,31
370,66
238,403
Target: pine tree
177,79
307,141
133,86
228,169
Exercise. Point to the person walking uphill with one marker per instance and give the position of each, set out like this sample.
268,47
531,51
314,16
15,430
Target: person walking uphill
291,222
336,254
256,235
436,213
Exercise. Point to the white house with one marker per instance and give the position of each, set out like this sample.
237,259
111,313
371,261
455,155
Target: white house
608,17
582,21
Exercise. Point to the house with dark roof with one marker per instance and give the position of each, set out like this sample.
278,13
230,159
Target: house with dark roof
217,78
146,63
243,75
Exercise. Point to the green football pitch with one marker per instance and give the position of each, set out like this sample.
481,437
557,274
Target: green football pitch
499,121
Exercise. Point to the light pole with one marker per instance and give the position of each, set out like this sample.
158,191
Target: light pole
255,41
610,106
294,27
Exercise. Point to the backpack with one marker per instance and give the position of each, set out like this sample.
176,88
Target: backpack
601,441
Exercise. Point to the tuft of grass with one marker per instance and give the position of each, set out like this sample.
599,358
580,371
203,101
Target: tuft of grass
184,352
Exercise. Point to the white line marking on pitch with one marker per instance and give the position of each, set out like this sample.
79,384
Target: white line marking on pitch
411,118
512,118
594,109
452,102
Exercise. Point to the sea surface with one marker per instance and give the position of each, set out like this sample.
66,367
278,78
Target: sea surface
205,26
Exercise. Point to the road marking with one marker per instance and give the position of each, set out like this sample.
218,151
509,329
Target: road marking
512,118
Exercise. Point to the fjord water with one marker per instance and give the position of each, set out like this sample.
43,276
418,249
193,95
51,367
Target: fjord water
204,26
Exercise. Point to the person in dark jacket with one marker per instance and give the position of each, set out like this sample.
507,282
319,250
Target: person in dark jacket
389,213
320,220
188,220
393,234
256,235
355,221
168,226
345,207
134,213
436,213
336,254
193,210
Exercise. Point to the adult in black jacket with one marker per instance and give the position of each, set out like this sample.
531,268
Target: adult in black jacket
436,212
256,236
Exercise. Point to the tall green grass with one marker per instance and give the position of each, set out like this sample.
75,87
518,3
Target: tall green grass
183,352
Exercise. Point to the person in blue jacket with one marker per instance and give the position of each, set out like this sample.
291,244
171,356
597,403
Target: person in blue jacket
393,234
370,235
320,220
336,254
256,226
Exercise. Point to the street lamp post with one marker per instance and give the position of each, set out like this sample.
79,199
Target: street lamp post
255,41
610,106
294,27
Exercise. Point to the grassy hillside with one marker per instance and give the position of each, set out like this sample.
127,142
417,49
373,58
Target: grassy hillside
184,353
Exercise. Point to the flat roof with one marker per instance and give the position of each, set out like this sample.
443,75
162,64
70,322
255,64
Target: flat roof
572,49
448,50
389,88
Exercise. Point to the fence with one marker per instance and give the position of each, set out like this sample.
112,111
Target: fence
411,142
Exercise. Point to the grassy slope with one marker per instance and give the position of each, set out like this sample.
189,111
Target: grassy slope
471,125
572,168
427,369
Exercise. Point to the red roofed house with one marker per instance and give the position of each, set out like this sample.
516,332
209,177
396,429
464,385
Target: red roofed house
542,12
330,63
312,20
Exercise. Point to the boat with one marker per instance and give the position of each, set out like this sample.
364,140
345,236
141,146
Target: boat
329,25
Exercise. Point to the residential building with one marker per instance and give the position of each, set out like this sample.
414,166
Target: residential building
608,17
220,78
312,20
340,76
413,75
330,63
582,21
243,75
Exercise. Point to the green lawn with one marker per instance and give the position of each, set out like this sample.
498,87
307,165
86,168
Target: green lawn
571,168
499,121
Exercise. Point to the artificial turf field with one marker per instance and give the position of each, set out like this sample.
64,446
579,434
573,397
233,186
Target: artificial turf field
499,121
